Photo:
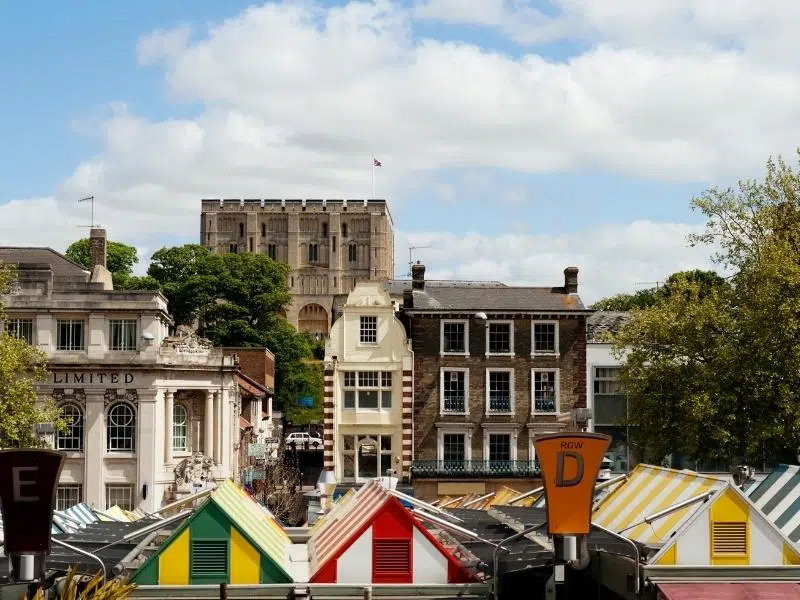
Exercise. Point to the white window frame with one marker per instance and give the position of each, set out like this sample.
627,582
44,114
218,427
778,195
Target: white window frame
464,322
558,390
186,426
123,323
458,430
532,433
121,487
512,432
361,330
442,371
71,487
510,391
64,435
511,337
72,322
12,327
134,427
380,388
534,352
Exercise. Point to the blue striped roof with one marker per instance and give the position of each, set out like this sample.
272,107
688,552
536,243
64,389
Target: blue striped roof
778,497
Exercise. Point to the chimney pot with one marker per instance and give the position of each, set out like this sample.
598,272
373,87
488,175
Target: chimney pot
97,248
571,280
418,276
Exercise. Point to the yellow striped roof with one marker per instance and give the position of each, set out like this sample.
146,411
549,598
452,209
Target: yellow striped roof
650,489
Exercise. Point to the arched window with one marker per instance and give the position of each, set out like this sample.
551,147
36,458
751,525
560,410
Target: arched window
352,253
71,439
121,428
313,253
180,428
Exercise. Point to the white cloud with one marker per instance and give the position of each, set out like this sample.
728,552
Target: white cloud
611,259
296,98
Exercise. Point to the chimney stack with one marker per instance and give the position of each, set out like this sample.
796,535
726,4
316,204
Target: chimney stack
97,248
418,276
571,280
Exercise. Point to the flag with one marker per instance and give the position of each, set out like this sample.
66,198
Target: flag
376,162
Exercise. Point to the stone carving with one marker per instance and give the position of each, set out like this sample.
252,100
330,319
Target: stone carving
75,396
110,396
189,344
192,471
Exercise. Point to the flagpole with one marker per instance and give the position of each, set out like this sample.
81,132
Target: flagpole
373,177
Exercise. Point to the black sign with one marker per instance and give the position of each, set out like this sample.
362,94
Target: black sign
28,479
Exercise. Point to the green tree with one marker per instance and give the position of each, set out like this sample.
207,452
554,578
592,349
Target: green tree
236,300
21,367
713,368
120,259
624,302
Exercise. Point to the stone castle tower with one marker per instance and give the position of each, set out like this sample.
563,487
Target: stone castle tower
330,245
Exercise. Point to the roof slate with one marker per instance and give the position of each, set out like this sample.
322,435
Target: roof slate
495,298
61,265
605,322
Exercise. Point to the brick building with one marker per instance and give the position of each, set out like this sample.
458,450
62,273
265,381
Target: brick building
330,245
494,366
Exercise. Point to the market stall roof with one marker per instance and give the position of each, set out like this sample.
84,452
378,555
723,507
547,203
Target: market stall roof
778,497
648,490
754,590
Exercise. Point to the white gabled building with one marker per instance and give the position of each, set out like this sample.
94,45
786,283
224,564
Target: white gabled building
368,389
152,417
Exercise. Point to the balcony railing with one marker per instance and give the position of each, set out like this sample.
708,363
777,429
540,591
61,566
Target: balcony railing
474,468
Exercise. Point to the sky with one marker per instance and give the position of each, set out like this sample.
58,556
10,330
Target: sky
516,137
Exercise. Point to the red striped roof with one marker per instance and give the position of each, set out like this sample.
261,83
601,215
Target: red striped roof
344,521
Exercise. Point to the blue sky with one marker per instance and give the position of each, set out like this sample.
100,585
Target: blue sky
575,134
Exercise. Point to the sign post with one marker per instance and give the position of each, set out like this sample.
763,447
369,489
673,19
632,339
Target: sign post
28,479
570,463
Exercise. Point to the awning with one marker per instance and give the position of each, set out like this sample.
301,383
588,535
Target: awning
752,590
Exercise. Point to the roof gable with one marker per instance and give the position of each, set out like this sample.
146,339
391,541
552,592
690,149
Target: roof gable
650,489
255,523
778,497
753,514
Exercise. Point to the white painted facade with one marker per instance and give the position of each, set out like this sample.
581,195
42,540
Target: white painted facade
368,387
151,417
600,363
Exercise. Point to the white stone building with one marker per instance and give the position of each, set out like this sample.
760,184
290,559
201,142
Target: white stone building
152,417
368,389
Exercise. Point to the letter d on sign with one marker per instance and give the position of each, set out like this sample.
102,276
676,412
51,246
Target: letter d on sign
28,480
570,464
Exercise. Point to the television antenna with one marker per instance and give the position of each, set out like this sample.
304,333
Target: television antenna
411,256
92,224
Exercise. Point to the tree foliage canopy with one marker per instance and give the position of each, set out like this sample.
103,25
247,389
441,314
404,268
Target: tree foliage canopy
120,259
713,366
22,366
237,300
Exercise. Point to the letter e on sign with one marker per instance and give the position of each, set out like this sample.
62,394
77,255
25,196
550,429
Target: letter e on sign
570,464
28,480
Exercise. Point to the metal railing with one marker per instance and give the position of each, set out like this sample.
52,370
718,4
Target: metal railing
475,468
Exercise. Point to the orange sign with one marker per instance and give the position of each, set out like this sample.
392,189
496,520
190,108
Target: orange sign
570,463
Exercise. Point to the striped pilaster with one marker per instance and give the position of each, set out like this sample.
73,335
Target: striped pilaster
327,421
408,423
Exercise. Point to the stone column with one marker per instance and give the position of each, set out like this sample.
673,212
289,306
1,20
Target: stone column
218,428
95,449
169,401
208,442
146,454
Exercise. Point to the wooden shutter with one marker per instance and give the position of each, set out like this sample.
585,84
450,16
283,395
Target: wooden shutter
729,537
391,557
209,558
